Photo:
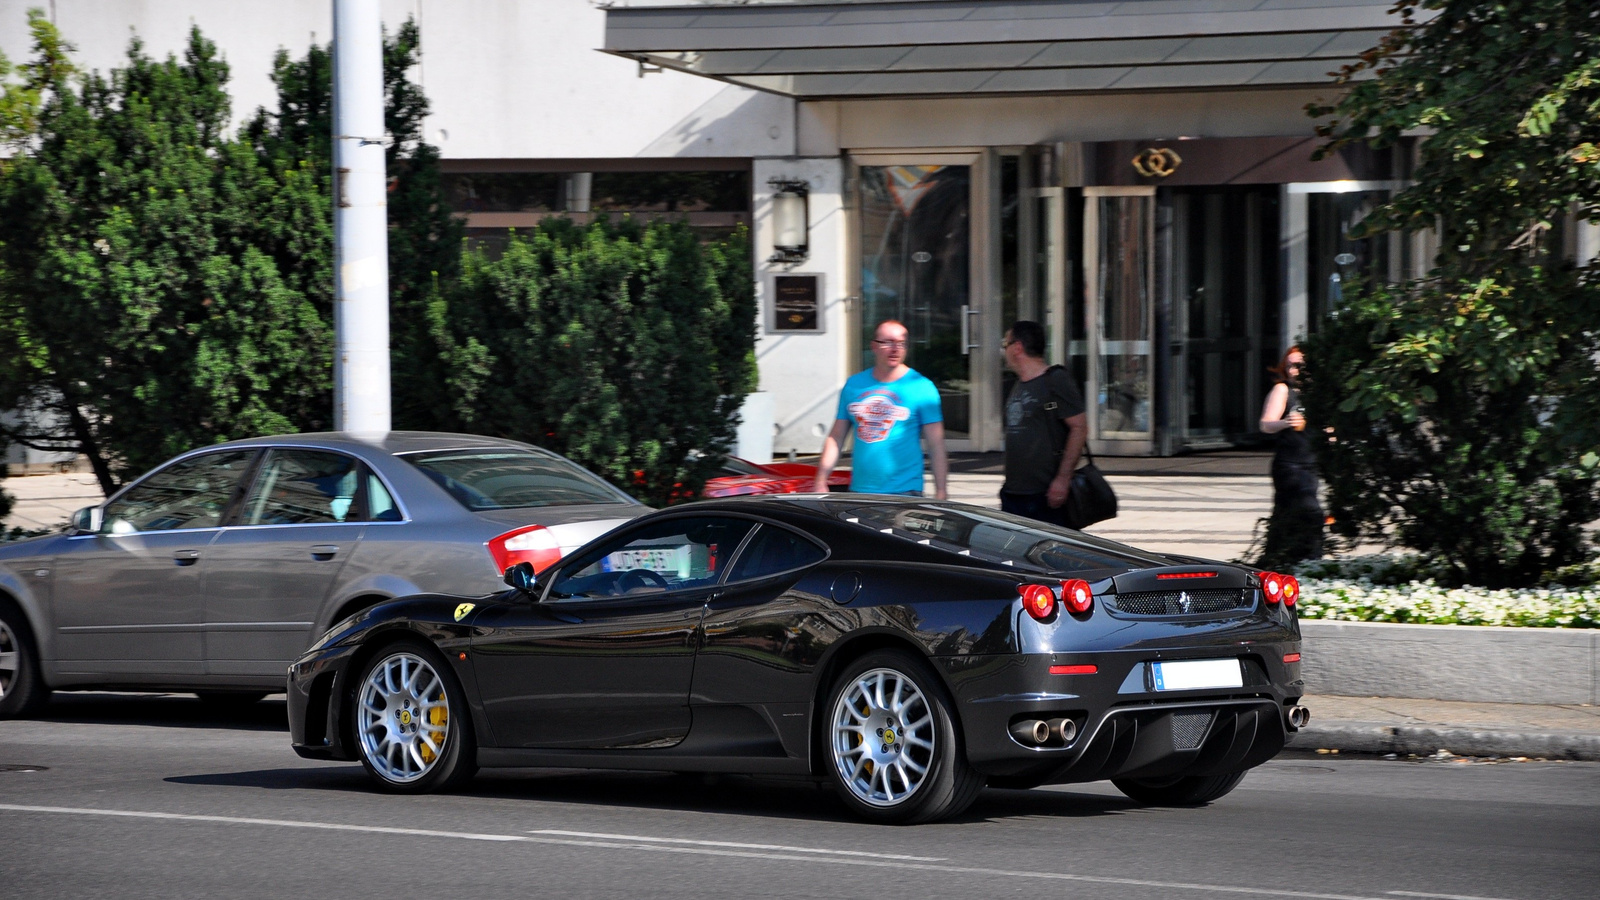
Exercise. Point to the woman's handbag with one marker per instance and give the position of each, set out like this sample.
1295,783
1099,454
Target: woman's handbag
1090,499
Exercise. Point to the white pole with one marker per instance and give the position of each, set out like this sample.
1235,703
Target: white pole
360,221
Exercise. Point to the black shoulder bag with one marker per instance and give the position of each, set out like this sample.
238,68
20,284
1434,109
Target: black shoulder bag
1090,499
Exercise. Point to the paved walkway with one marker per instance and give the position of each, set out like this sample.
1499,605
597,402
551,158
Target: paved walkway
1427,727
48,501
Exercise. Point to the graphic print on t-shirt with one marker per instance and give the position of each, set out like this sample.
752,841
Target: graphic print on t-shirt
875,415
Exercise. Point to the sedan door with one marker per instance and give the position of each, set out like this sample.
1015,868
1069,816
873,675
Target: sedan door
128,600
267,575
606,660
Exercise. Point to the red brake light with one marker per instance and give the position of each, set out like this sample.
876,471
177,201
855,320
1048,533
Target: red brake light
1074,670
1167,576
1077,595
1291,590
1291,658
1272,587
1038,600
530,544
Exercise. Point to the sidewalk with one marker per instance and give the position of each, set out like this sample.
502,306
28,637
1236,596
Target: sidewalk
1426,727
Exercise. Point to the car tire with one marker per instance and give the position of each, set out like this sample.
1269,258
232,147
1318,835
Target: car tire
22,687
411,728
1192,790
231,700
891,743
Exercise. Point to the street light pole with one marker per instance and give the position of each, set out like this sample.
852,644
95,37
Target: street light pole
360,221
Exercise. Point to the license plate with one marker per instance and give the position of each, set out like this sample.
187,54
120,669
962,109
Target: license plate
1194,674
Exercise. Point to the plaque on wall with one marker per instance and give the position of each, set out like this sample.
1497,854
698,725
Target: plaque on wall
797,302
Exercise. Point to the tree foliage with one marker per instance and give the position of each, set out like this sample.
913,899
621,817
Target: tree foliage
146,313
626,347
166,284
424,238
1467,403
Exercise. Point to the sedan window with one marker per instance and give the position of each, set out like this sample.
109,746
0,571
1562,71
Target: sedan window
303,487
664,556
513,479
190,493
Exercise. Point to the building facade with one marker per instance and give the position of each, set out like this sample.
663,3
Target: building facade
1136,175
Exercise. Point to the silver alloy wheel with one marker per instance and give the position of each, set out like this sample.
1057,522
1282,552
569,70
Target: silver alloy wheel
404,717
10,658
882,741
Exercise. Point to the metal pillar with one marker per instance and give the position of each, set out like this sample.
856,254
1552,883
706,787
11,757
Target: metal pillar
360,221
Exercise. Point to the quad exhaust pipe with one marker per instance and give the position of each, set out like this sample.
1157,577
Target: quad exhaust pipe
1038,732
1299,716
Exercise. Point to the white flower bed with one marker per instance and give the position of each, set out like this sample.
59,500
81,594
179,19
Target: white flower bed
1425,603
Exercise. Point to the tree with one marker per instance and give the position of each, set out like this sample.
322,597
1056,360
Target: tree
626,347
425,240
145,311
1467,403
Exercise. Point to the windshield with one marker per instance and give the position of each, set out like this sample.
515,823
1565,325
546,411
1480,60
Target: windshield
513,479
997,537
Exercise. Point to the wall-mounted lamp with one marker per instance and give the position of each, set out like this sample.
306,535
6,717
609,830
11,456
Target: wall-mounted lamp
791,242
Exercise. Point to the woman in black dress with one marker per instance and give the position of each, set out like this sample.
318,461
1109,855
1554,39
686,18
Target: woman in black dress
1294,532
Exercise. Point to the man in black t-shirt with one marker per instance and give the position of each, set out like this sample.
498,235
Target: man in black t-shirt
1045,429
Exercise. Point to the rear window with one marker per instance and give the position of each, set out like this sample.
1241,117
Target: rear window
996,537
513,479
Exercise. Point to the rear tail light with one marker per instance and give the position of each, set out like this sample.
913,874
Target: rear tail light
1272,587
530,544
1038,600
1291,590
1077,595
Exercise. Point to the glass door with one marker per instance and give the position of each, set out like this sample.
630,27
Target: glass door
1118,233
915,266
1224,316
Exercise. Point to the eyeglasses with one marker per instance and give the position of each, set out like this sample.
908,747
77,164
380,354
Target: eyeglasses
889,343
1006,343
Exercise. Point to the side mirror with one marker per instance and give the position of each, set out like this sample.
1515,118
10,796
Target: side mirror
521,577
87,520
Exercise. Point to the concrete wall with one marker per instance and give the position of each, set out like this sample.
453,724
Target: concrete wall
804,372
1452,662
506,78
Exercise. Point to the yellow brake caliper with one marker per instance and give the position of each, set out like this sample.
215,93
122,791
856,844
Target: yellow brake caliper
438,717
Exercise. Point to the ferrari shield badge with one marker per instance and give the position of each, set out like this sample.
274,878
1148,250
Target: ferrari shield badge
463,609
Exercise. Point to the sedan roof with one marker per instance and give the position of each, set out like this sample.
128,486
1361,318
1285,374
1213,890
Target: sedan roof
395,442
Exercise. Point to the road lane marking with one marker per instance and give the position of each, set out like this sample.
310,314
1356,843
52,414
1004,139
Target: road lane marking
650,847
1441,896
738,846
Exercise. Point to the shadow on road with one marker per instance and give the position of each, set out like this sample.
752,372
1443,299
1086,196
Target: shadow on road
164,710
350,778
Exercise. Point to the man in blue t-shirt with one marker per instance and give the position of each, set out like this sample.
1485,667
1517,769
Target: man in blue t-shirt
892,408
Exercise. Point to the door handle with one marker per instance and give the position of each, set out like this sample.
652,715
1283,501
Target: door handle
324,551
967,346
186,557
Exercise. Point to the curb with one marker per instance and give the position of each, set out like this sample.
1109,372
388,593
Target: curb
1422,740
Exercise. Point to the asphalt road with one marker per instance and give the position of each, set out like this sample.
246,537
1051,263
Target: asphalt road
160,797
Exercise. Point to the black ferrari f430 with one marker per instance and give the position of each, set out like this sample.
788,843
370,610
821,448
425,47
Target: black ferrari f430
909,651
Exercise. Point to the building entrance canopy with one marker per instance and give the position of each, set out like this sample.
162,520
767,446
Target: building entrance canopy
900,48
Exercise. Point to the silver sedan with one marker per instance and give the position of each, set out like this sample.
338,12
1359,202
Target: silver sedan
213,572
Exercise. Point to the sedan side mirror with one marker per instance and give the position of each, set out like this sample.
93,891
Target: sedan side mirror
87,520
521,577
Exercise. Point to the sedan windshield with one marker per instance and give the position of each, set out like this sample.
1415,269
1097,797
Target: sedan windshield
513,479
997,537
